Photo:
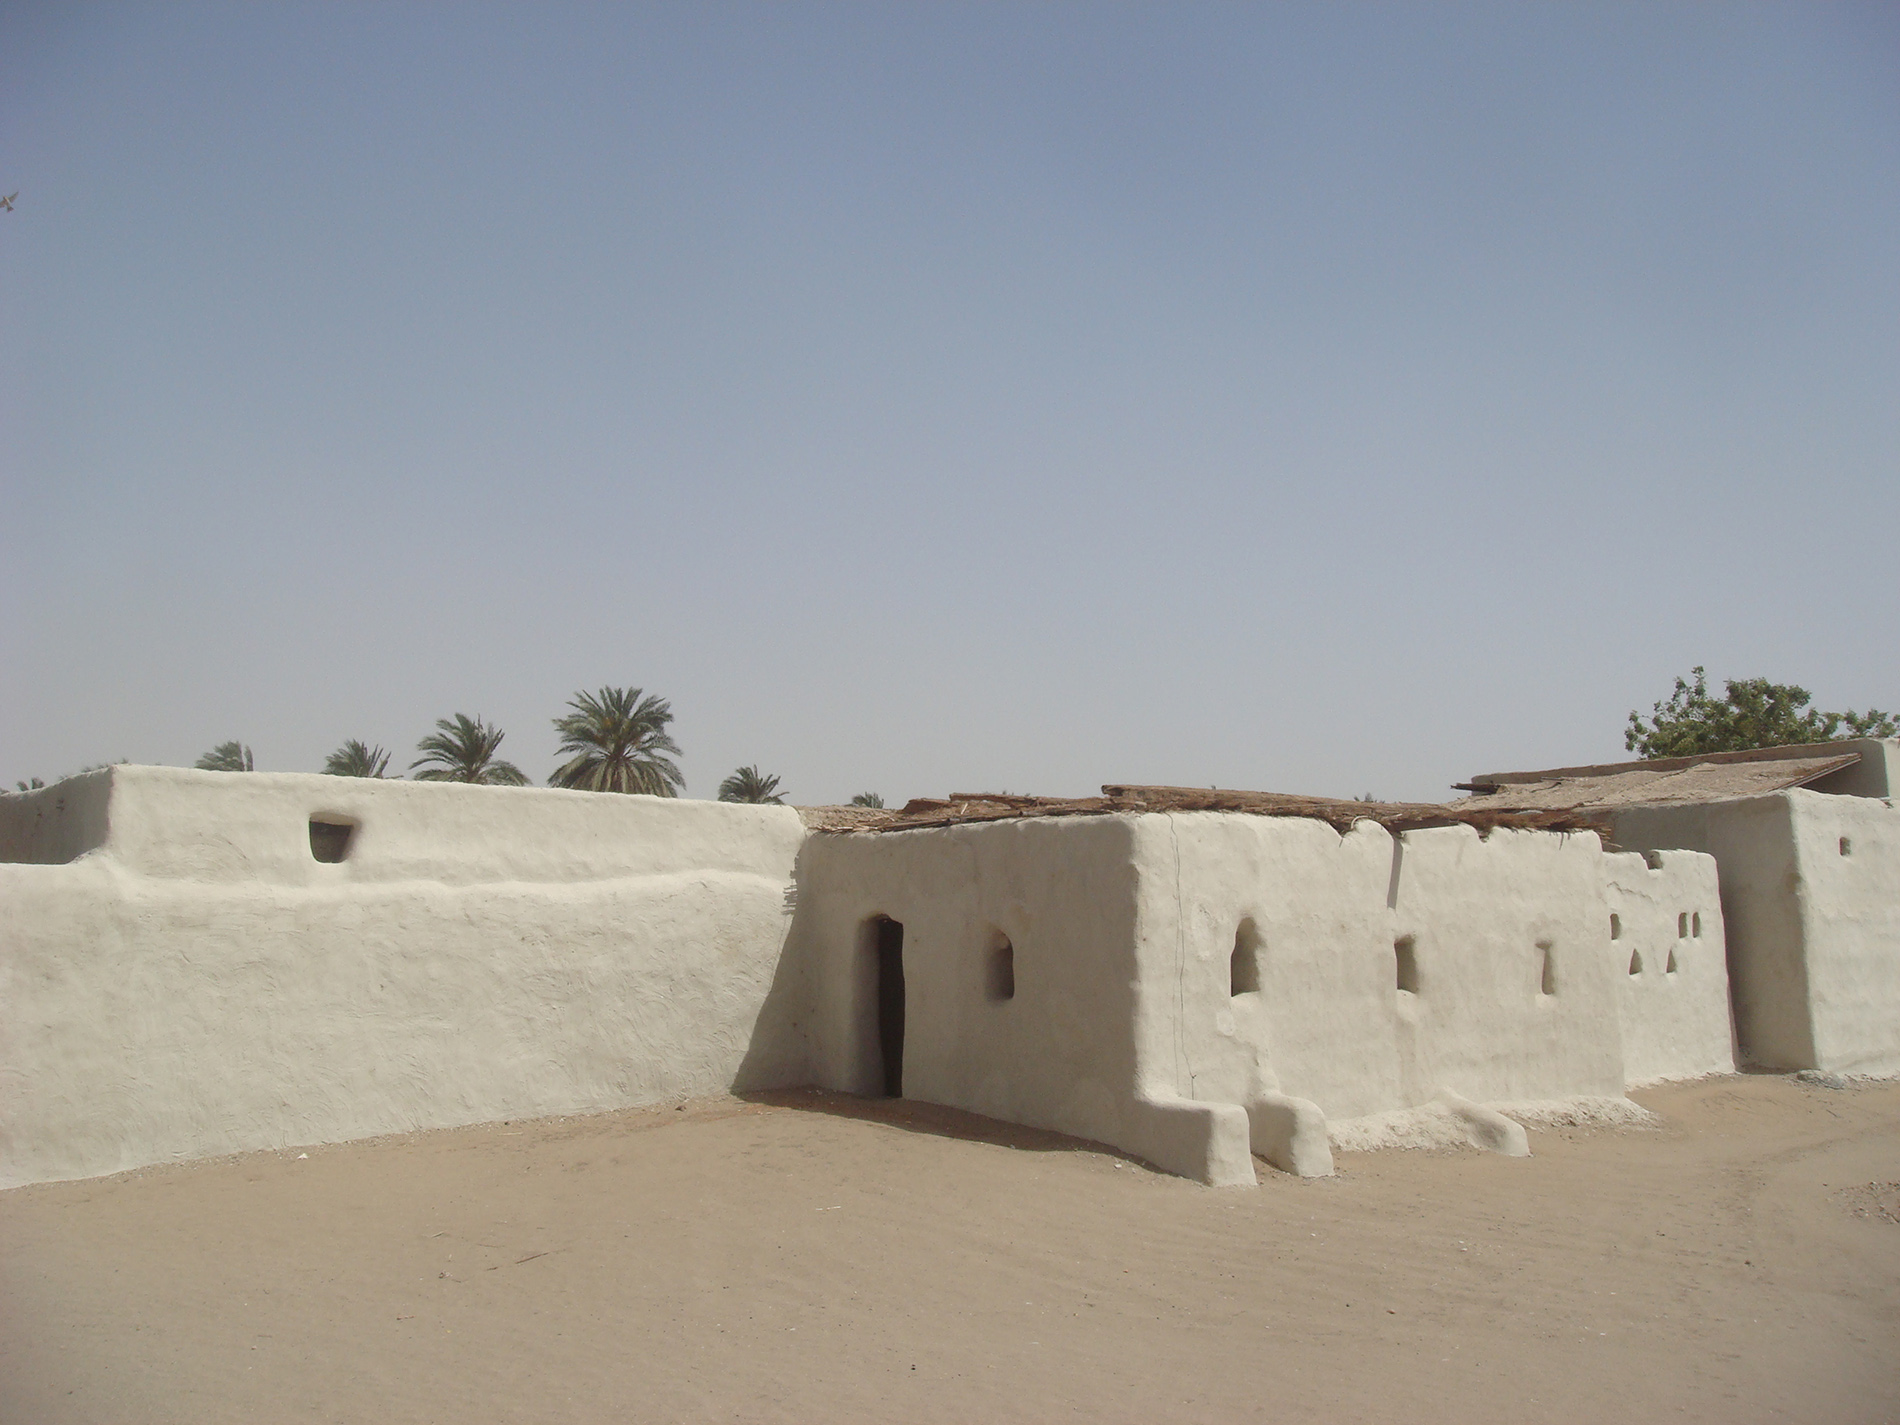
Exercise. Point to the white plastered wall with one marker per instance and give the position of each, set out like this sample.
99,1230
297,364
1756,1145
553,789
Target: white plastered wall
1515,1001
1752,842
1668,966
1313,906
1058,1054
197,983
1125,1026
1848,852
1330,1023
1813,935
1876,774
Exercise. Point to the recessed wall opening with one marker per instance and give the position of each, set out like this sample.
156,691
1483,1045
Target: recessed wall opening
1695,924
1243,966
1616,926
1547,973
889,949
1653,860
1670,968
1682,926
330,837
1405,952
1001,971
1847,846
1636,964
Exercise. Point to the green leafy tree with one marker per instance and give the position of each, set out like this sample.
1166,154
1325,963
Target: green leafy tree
463,750
1752,712
226,757
616,741
748,784
868,799
353,759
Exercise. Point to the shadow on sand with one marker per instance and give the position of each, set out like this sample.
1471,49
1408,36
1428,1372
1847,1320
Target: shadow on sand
914,1116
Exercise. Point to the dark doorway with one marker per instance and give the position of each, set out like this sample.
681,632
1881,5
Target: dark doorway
890,1004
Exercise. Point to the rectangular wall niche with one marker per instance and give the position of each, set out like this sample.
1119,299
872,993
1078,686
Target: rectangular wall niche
330,837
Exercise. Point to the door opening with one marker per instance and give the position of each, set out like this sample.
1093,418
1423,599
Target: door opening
890,1004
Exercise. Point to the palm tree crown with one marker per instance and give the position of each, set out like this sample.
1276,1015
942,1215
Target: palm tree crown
867,799
464,751
353,759
616,741
748,784
226,757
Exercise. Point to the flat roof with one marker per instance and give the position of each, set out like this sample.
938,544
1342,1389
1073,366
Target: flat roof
1715,776
1120,798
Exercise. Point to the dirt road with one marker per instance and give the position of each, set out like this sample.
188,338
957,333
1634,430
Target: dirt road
819,1258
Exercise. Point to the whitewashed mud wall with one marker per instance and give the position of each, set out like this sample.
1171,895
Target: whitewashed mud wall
1848,851
1515,1001
180,975
1388,970
196,982
1810,886
1197,987
1308,1016
1058,1052
1668,965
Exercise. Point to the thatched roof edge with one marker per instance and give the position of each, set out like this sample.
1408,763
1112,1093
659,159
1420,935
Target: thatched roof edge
927,813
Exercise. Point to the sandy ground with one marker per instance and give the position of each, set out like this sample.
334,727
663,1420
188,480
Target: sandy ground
822,1258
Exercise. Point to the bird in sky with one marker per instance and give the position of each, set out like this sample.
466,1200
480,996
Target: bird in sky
7,202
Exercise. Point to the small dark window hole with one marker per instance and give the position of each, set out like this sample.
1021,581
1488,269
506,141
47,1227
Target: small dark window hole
1616,926
1243,967
1002,970
1670,968
1547,977
1847,846
330,839
1636,964
1682,925
1695,924
1405,950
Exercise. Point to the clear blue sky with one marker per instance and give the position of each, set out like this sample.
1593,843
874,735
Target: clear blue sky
1323,398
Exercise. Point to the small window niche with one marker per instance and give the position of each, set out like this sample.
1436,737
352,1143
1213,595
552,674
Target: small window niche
1243,966
1616,926
1001,970
1847,846
1547,968
1695,925
1405,953
1670,968
330,837
1682,926
1636,964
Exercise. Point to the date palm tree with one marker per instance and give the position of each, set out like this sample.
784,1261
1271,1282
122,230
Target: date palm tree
353,759
748,784
226,757
463,750
868,799
616,741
